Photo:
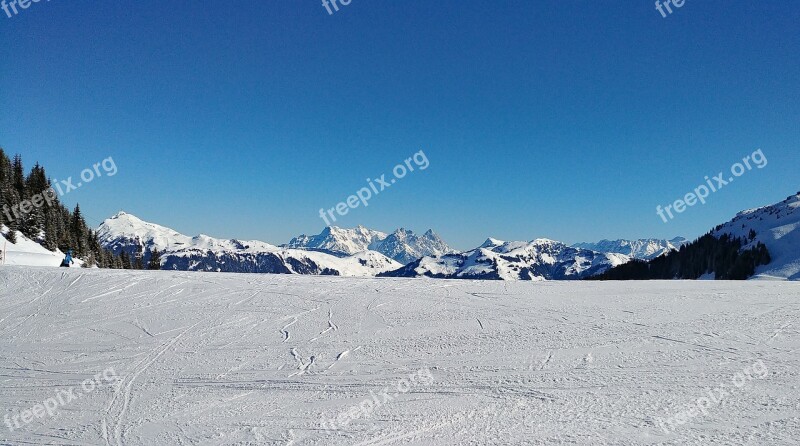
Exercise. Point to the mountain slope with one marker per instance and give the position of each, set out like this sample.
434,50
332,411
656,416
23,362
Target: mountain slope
126,232
778,227
123,230
402,245
761,243
541,259
642,249
28,252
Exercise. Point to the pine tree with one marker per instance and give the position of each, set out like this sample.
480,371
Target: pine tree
138,262
155,259
9,197
126,260
50,234
13,227
79,232
18,180
723,256
90,261
5,184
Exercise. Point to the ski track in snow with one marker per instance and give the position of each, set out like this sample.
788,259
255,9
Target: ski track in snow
207,359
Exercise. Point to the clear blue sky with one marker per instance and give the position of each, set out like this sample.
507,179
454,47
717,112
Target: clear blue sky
570,120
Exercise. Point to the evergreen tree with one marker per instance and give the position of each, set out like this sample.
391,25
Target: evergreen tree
725,257
9,197
50,234
5,172
33,221
155,259
18,180
90,261
79,232
126,260
50,223
138,262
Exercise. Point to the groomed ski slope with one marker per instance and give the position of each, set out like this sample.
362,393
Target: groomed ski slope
209,359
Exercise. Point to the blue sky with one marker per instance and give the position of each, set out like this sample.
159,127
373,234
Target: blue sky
570,120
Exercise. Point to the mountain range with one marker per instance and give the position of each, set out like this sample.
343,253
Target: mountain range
540,259
402,245
365,252
356,252
126,232
642,249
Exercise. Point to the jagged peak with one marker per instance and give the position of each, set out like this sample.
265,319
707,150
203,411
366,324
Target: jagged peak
491,242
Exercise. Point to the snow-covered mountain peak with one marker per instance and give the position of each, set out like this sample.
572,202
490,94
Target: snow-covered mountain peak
778,227
540,259
644,249
402,232
338,241
124,229
401,245
491,242
545,242
404,246
126,232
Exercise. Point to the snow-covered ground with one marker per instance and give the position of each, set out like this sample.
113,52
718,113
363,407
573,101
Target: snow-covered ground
99,357
27,252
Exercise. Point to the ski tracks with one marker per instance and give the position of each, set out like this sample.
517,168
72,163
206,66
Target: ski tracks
127,383
285,331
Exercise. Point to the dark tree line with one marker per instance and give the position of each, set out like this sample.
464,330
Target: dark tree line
723,256
30,206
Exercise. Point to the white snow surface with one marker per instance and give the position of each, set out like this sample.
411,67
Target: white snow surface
28,252
243,359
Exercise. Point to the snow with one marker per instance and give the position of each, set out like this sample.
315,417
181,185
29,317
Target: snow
778,227
402,245
339,240
236,359
119,230
540,259
29,252
202,252
643,249
360,264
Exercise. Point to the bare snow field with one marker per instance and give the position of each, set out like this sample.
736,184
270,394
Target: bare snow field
99,357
